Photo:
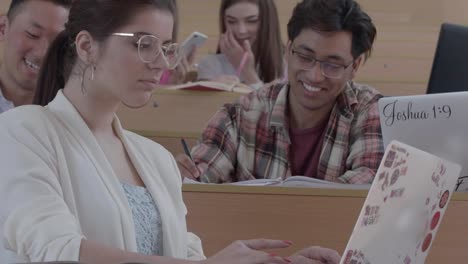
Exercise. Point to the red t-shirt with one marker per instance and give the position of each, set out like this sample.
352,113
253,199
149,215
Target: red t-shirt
305,149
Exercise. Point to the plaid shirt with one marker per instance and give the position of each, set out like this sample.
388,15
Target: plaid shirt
250,138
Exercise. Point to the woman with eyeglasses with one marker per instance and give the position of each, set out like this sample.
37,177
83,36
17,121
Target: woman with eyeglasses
250,49
76,186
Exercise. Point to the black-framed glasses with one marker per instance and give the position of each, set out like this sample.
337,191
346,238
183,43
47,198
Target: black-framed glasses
151,47
328,69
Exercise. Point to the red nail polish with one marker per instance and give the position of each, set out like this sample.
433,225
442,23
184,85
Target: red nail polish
273,254
287,260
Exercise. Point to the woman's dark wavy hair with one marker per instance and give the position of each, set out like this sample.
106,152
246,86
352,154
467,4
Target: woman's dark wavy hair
269,47
100,18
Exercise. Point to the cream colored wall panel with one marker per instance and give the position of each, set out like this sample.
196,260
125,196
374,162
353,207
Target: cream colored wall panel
399,88
4,5
407,33
455,11
404,49
396,70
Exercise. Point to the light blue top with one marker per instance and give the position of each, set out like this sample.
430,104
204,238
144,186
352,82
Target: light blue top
215,65
147,219
4,103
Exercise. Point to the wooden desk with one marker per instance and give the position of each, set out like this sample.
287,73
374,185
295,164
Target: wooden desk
222,214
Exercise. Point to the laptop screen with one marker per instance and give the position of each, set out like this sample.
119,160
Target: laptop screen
436,123
450,67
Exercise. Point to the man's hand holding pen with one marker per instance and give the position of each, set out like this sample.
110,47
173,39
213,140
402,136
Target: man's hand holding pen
187,166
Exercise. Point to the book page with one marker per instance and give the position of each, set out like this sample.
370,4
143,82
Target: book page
212,86
294,181
255,182
304,181
190,181
258,182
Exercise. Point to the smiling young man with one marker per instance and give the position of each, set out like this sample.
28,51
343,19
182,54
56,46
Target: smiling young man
26,32
320,124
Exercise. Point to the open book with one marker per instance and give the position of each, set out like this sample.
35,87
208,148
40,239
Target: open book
212,86
403,209
294,181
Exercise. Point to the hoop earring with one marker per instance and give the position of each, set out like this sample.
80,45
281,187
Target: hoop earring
83,88
137,106
93,68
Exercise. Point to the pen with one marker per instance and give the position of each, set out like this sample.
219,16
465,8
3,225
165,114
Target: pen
187,152
242,63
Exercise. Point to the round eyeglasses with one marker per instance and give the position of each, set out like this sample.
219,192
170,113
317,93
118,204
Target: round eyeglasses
150,48
328,69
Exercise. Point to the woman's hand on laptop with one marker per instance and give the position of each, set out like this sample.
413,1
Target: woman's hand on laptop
250,252
315,255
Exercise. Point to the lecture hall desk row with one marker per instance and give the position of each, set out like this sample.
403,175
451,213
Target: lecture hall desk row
220,214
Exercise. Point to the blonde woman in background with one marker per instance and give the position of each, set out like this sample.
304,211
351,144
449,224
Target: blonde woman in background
250,49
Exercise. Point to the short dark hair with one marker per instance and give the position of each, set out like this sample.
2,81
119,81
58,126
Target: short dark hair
100,18
16,5
335,15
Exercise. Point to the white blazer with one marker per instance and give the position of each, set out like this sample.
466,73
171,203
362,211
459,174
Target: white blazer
57,188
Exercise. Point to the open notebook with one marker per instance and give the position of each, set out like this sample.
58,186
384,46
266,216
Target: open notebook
294,181
403,209
213,86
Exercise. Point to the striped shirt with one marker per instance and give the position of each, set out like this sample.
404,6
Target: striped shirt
249,139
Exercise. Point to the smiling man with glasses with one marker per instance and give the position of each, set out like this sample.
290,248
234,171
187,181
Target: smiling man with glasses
319,124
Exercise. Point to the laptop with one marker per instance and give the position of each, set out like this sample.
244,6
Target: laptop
403,209
450,67
435,123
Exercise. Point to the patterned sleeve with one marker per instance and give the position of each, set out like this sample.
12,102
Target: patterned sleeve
366,147
216,153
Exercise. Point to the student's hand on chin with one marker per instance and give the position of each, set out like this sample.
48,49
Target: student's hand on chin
250,63
231,48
